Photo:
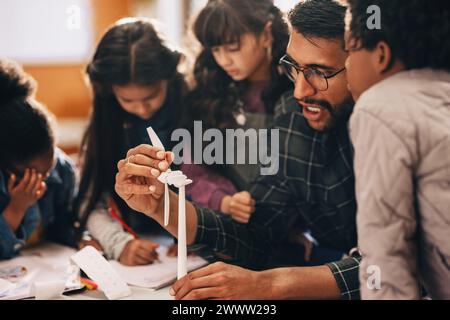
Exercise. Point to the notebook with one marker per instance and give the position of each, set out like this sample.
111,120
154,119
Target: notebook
158,274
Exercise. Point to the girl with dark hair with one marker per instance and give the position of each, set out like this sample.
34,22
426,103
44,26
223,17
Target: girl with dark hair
237,83
37,180
136,84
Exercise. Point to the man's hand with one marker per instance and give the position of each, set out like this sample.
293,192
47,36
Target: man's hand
221,281
136,181
138,185
240,206
139,252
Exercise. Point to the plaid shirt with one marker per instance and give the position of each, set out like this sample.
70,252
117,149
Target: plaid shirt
313,190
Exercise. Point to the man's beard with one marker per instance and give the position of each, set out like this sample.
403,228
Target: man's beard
340,114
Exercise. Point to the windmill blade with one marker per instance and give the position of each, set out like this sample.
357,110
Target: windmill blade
177,180
164,176
155,139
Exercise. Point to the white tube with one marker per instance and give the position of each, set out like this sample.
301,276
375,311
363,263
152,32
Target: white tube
182,247
166,205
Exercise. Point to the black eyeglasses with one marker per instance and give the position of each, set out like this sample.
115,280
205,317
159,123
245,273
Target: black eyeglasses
317,79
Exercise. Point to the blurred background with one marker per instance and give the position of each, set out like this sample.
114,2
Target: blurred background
54,40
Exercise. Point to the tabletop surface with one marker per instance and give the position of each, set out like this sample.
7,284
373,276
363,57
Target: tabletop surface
137,294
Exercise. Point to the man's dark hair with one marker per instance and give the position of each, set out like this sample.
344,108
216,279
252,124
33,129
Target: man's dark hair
319,19
417,31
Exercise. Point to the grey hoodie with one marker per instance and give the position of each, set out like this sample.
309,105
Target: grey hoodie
401,134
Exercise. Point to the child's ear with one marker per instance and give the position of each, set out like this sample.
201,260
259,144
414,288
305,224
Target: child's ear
381,57
266,36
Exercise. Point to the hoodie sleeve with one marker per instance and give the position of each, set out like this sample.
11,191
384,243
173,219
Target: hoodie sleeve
386,215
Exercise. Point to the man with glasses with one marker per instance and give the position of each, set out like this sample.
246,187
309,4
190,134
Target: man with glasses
313,190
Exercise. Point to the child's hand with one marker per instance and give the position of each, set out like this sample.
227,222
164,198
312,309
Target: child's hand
172,251
300,238
90,242
139,252
303,240
240,206
27,192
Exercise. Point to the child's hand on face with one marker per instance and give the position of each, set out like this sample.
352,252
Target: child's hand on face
28,190
240,206
139,252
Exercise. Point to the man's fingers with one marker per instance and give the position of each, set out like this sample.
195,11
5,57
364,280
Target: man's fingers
170,157
134,189
135,170
179,284
146,161
122,177
208,270
202,272
194,284
203,294
154,163
132,169
148,150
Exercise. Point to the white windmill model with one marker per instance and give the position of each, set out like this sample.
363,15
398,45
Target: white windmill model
179,180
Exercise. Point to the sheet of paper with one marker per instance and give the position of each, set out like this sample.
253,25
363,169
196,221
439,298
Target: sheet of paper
100,271
156,275
46,265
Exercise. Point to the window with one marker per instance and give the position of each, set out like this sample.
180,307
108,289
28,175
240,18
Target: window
286,5
46,31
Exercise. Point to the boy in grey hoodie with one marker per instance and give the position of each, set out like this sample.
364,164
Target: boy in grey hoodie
399,73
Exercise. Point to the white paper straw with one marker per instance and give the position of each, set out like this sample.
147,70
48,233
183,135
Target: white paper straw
182,247
166,205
